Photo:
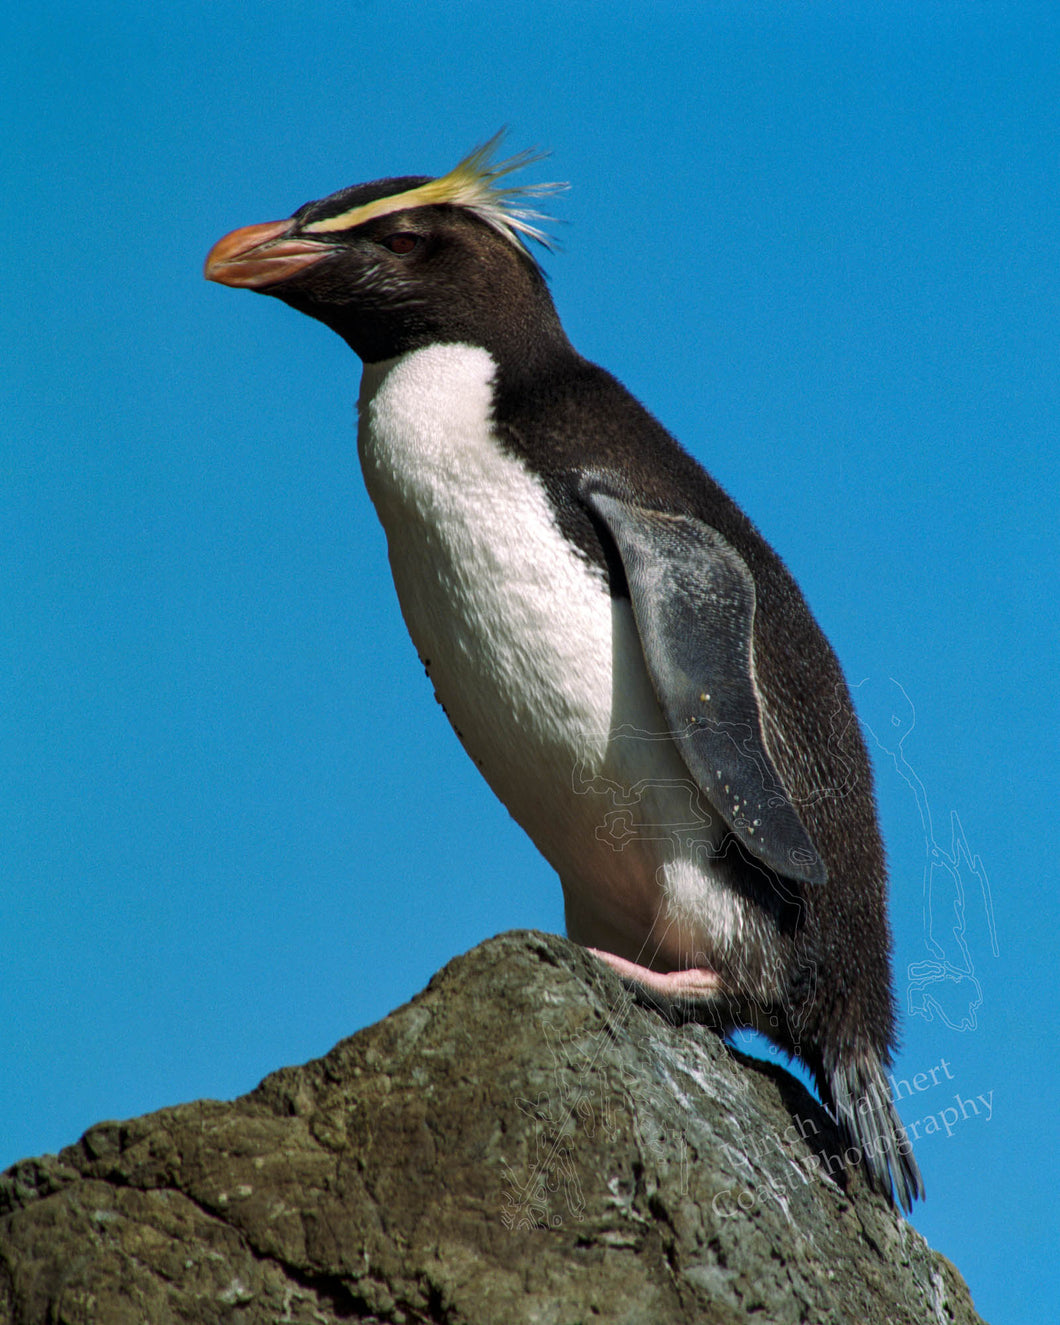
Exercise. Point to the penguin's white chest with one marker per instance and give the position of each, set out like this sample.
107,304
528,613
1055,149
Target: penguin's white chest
512,625
539,672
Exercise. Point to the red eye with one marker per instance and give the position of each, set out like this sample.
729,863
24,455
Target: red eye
403,243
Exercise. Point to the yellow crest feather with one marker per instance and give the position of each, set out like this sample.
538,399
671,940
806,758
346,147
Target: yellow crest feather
473,184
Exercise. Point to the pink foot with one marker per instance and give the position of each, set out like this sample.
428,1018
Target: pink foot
692,980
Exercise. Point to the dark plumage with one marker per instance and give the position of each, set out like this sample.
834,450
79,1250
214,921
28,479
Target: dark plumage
628,662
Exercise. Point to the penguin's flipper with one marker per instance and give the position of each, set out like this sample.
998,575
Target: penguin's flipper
693,600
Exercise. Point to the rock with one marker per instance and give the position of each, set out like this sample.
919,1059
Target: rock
520,1143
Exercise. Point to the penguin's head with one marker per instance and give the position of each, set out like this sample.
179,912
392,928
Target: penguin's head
401,263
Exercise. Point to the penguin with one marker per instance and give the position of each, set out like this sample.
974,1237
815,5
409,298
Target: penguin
627,661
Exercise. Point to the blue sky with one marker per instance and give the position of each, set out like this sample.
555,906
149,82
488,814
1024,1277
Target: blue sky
819,241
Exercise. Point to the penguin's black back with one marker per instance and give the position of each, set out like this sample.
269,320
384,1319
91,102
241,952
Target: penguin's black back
577,420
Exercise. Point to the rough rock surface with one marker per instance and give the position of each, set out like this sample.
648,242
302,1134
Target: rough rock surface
520,1143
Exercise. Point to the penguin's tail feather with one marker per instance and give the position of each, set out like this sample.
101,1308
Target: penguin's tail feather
862,1106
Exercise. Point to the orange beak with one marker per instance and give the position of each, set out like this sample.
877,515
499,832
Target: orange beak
257,256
